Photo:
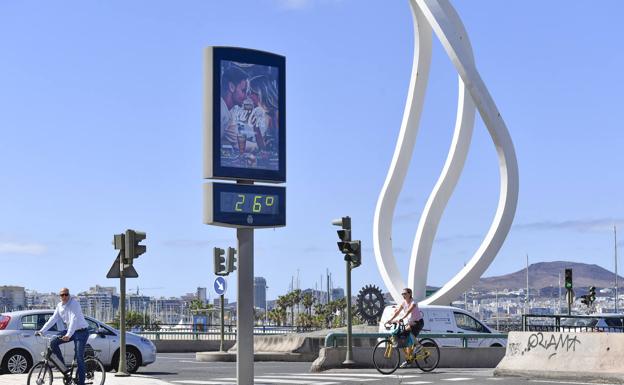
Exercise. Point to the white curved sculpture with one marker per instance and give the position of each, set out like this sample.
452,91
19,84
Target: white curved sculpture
440,16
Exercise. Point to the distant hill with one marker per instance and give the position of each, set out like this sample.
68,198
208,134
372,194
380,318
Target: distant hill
546,274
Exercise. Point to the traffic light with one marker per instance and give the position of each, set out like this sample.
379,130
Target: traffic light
231,260
356,254
592,294
219,261
345,238
133,248
568,279
344,222
585,300
119,242
351,249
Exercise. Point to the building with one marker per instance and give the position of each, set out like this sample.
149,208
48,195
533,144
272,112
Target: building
12,298
260,287
202,294
337,293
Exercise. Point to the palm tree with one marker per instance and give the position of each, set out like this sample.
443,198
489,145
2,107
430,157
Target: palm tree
283,303
307,301
296,299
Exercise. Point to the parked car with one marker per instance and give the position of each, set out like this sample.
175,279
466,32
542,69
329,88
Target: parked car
20,348
449,320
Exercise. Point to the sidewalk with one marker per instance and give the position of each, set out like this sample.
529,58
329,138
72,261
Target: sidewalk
20,379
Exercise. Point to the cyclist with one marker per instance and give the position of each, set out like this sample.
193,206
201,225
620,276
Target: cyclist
412,316
77,330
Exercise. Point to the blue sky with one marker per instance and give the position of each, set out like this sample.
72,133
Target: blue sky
101,126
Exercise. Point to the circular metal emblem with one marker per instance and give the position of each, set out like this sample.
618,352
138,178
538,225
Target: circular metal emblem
250,219
370,304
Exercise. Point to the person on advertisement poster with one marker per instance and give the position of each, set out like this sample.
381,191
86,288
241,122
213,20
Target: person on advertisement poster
233,93
264,95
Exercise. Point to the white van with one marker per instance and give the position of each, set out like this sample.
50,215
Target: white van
449,320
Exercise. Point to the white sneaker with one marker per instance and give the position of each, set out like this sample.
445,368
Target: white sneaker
405,364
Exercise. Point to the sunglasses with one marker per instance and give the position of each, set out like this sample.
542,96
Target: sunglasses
404,293
64,294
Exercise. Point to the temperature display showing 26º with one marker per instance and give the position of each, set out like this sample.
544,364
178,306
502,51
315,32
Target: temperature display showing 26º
249,203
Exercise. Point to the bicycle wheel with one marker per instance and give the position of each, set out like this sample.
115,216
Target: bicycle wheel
429,357
386,357
94,372
40,374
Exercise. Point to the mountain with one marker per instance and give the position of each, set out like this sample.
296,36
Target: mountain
546,274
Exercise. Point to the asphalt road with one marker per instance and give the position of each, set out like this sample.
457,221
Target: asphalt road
183,369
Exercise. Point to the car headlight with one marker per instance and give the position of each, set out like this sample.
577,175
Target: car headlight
146,341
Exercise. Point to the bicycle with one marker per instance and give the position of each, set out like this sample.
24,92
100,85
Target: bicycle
387,356
41,373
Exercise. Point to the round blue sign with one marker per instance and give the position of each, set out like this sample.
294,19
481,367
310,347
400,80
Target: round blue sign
220,285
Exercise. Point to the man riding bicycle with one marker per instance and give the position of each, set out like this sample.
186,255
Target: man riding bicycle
412,316
70,312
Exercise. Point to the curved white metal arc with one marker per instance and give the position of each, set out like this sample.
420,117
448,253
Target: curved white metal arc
382,224
439,15
442,191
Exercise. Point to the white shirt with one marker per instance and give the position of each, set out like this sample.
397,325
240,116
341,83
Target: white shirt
71,314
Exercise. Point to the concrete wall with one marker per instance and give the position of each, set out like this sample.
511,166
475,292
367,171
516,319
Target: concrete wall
286,343
330,358
190,346
578,356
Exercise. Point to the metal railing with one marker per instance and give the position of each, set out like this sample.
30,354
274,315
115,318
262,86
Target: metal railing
211,332
331,340
572,323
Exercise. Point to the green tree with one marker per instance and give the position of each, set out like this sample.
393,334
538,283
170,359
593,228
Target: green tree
307,301
136,319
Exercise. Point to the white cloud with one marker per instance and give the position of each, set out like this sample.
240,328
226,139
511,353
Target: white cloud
22,248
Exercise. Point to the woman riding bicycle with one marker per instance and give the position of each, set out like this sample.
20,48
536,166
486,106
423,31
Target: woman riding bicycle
412,316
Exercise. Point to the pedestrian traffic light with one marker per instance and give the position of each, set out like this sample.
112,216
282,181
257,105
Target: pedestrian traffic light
219,261
231,260
133,248
585,300
592,294
568,279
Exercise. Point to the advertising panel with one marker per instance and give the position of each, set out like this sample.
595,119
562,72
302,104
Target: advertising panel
245,115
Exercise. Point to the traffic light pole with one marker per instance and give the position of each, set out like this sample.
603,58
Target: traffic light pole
222,323
349,359
245,306
122,369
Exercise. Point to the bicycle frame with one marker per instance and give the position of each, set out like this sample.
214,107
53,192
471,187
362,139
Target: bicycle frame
68,374
409,349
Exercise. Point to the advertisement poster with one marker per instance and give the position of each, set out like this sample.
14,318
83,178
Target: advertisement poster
249,116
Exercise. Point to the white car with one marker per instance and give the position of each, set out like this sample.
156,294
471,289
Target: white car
449,320
20,348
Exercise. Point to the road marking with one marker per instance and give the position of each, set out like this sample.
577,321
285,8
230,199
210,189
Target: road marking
458,379
358,375
314,377
202,382
565,382
272,380
417,382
